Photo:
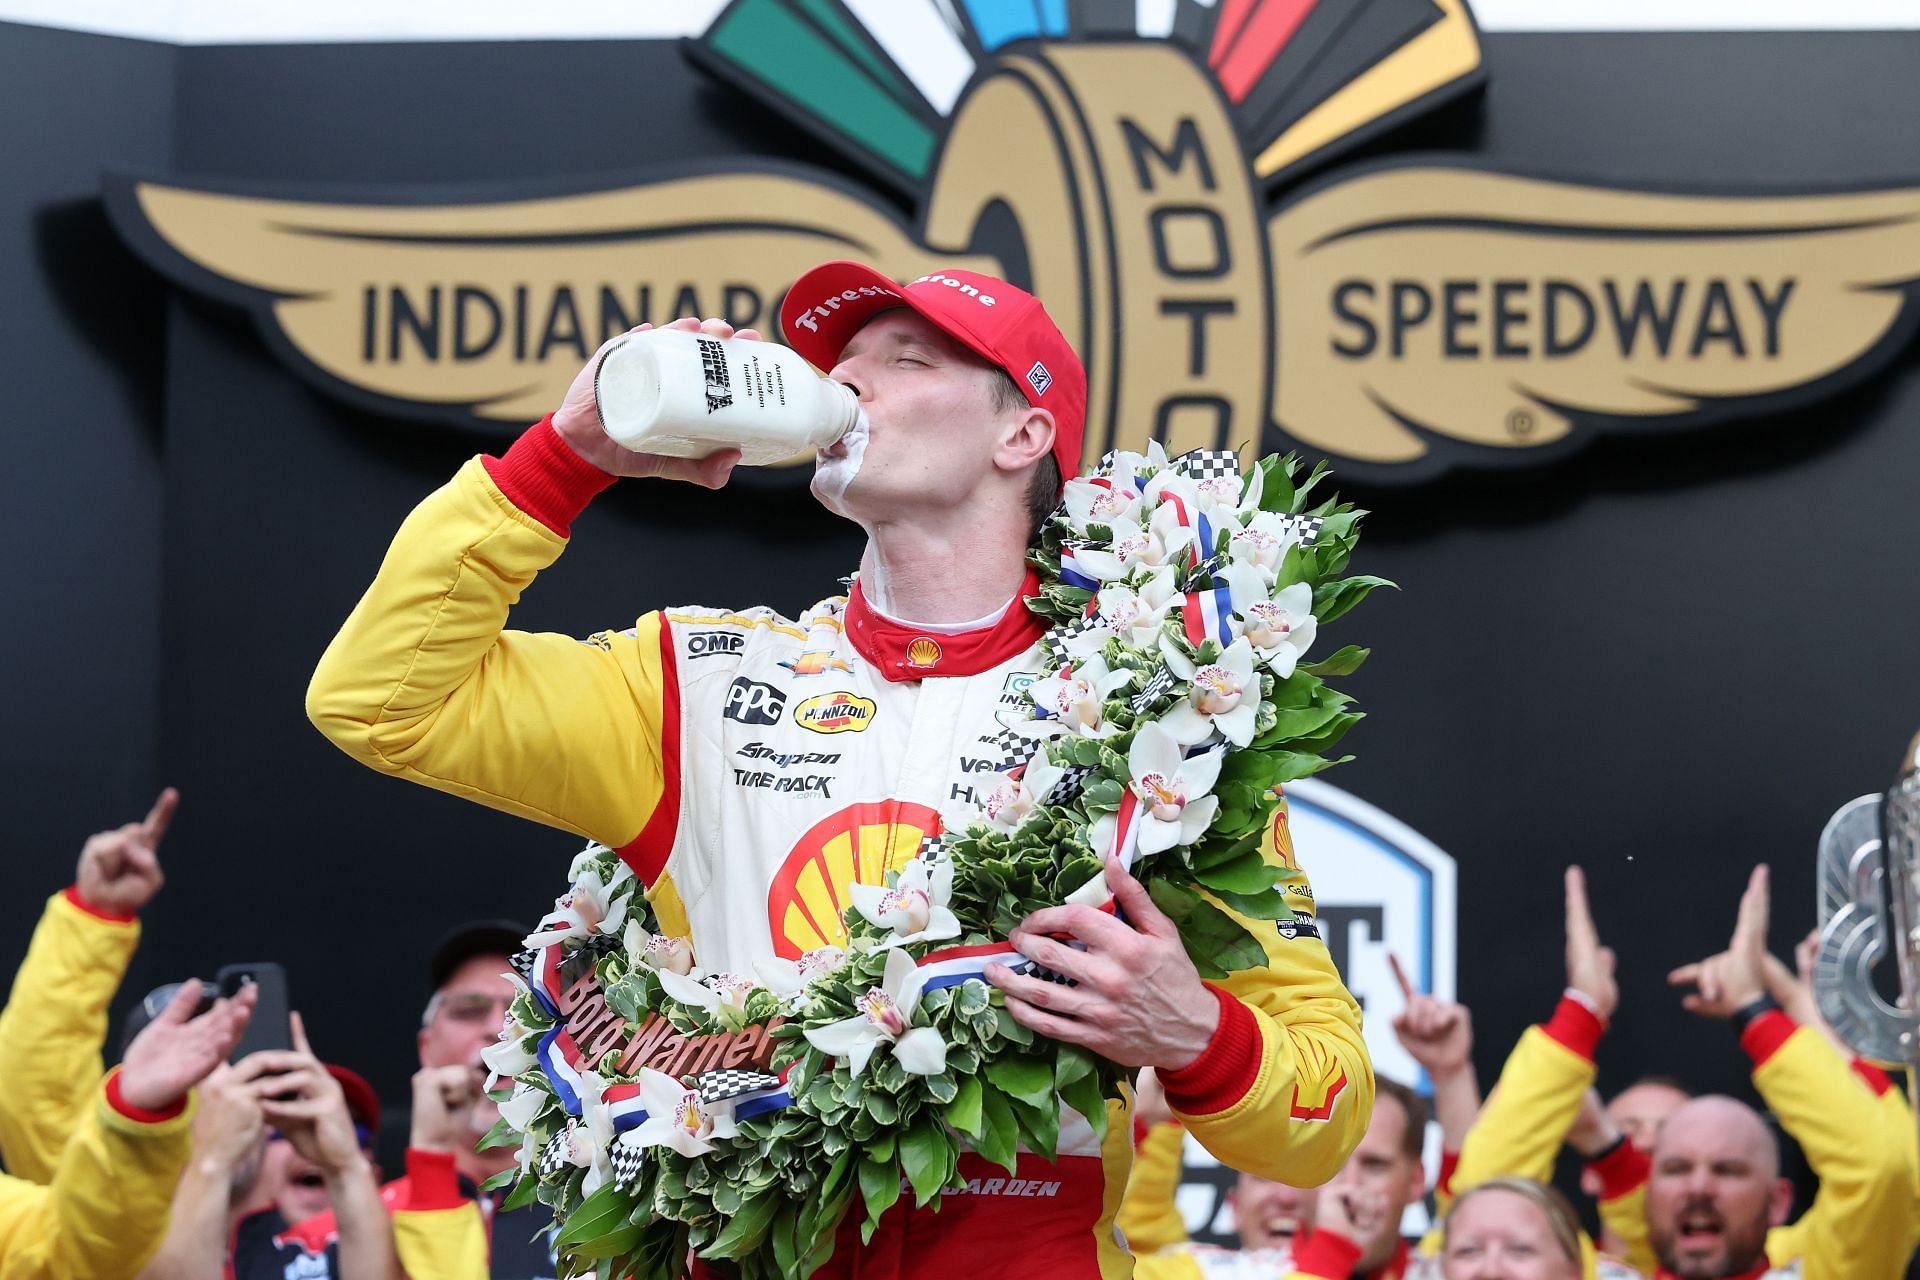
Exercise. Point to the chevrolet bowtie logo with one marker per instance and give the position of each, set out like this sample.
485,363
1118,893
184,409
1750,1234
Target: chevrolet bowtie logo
1402,318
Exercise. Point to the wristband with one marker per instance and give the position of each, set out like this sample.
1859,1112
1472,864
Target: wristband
1743,1016
1586,1002
1619,1140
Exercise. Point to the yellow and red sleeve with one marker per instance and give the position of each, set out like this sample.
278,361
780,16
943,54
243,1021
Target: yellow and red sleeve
105,1211
1520,1130
1285,1089
437,1231
1149,1216
424,680
1860,1222
53,1026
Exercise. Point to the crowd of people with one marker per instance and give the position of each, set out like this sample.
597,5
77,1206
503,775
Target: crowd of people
179,1163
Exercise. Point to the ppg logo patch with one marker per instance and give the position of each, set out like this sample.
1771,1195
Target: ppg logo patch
1039,379
751,702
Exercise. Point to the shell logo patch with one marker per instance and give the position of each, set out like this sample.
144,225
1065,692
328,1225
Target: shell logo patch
857,845
923,652
835,713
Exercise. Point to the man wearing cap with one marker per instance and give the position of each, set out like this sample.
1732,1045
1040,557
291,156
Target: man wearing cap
670,740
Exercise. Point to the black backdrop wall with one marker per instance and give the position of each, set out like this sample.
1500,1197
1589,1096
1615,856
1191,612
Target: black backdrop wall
1665,658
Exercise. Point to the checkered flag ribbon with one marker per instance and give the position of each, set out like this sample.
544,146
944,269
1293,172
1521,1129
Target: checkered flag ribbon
933,848
557,1154
1010,749
628,1161
1305,528
728,1082
1054,643
1208,464
522,962
1156,688
1072,782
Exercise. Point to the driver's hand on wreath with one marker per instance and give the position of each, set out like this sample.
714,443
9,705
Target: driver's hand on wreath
1139,1001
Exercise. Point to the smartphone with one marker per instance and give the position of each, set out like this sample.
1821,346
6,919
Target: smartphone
270,1027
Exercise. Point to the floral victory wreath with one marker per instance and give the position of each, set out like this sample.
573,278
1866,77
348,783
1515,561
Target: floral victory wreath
1173,705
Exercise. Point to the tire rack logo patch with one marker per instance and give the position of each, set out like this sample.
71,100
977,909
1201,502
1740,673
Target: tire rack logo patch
835,713
1438,312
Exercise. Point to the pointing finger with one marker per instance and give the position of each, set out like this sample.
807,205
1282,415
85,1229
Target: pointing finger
154,829
1580,928
1750,930
1400,976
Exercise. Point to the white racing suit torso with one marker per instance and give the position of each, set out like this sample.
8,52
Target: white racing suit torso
750,768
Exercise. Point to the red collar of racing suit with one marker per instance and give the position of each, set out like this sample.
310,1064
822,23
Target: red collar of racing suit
1755,1274
901,653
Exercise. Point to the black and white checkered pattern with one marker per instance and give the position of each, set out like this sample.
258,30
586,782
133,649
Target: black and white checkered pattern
1305,528
933,848
1157,687
557,1154
729,1082
1009,749
1072,782
1208,464
522,962
1054,643
1105,466
628,1161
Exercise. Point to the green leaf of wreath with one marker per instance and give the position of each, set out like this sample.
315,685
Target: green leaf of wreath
1030,1080
1343,662
964,1112
1000,1132
927,1156
603,1212
879,1189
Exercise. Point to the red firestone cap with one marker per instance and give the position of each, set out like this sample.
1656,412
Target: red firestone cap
1003,325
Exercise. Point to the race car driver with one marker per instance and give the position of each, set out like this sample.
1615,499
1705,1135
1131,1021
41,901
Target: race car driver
825,746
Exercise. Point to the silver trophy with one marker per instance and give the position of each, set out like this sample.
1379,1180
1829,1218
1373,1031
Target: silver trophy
1870,870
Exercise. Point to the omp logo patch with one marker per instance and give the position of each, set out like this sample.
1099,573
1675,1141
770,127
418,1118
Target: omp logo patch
835,713
705,644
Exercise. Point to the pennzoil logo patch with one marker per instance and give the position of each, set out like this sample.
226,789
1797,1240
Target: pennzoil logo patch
835,713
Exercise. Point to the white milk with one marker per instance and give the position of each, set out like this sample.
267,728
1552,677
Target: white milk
686,395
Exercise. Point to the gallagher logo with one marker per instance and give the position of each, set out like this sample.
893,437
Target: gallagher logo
835,713
1137,166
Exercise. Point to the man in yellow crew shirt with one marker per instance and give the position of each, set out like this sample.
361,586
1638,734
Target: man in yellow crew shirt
974,407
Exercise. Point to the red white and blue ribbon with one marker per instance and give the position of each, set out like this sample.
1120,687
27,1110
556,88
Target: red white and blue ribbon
951,966
1073,575
559,1058
1208,615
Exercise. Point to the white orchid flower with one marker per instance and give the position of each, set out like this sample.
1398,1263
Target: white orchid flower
886,1017
677,1118
1176,806
1280,629
1076,695
789,978
723,995
590,1138
526,1103
593,905
1262,543
658,951
505,1056
915,908
1225,695
1158,543
1134,614
1091,502
1014,799
1231,498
